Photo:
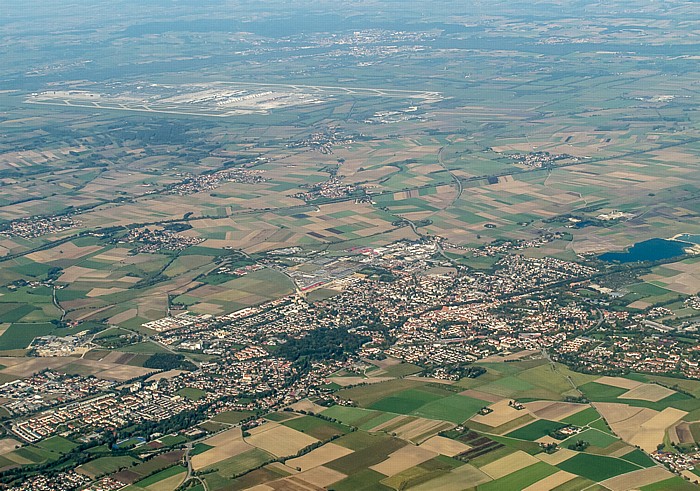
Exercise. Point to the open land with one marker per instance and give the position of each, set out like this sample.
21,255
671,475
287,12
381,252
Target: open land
359,248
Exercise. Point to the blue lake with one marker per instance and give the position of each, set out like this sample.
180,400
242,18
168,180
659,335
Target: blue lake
649,250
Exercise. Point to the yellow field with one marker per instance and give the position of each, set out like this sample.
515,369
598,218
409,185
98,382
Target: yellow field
421,429
444,446
637,479
551,482
169,483
502,414
318,457
227,444
279,440
648,392
555,411
652,431
404,458
620,382
345,381
63,251
557,457
508,464
321,476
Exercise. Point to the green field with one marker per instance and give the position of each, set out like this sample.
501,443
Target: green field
316,427
19,335
592,436
605,393
364,480
673,484
200,448
456,408
241,463
57,444
191,393
438,172
401,370
256,477
597,467
521,479
232,417
638,457
367,456
405,402
582,418
350,415
159,476
535,430
107,465
369,394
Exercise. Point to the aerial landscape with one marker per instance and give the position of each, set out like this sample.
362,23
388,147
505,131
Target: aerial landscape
362,245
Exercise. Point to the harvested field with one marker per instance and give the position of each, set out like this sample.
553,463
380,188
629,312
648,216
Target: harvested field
393,423
75,273
501,414
168,374
34,365
557,457
444,446
682,433
648,392
307,405
123,372
551,482
484,396
614,412
227,444
402,459
321,476
118,357
345,381
624,420
127,476
99,292
7,445
431,380
421,429
455,479
368,395
509,464
555,411
279,440
652,431
620,382
386,362
637,479
293,483
318,457
123,316
10,361
63,251
510,357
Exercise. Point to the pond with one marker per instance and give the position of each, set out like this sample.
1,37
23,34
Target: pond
648,250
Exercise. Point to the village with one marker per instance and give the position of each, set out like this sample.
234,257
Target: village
423,312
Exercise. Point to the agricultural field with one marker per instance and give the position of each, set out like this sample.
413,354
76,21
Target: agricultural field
380,453
393,444
388,246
